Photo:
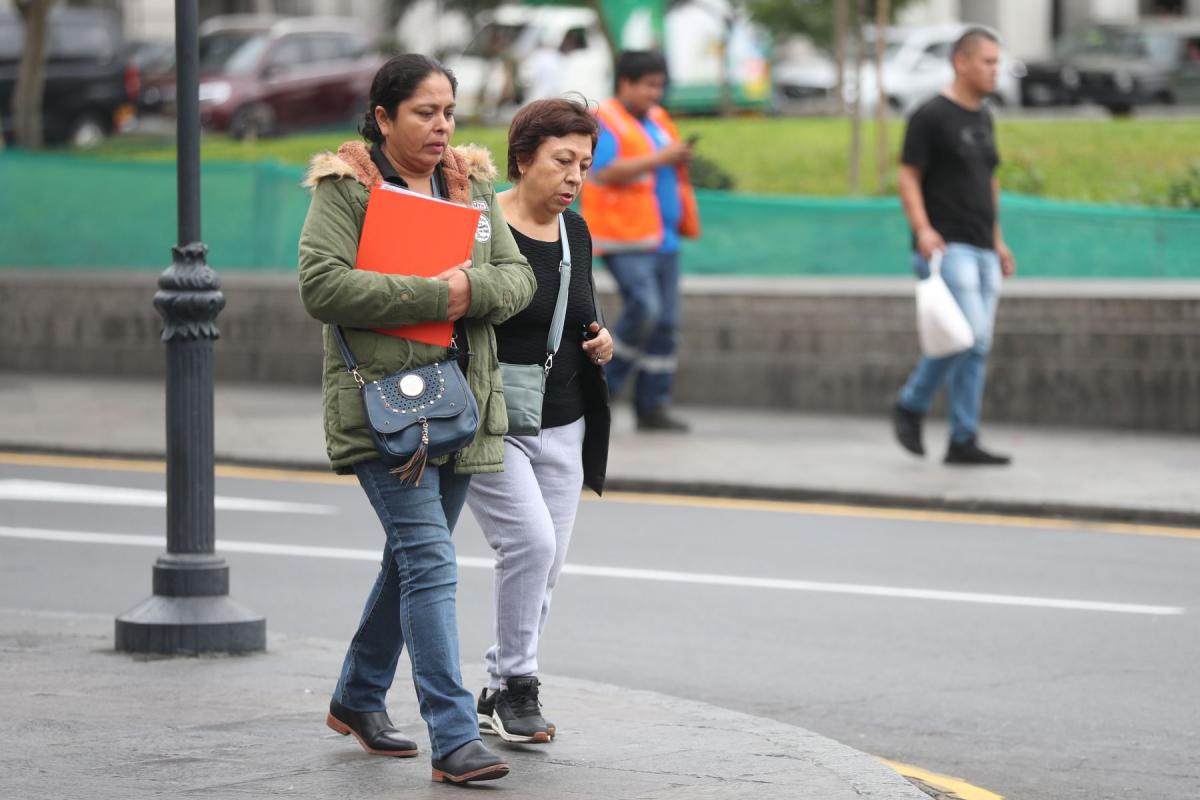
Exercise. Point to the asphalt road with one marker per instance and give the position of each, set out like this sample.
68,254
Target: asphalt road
1042,661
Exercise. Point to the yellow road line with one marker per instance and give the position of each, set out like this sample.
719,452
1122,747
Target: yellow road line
689,501
150,465
944,783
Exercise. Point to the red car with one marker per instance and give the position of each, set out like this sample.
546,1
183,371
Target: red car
262,75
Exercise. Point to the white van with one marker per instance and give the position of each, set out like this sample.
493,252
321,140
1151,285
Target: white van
518,53
525,52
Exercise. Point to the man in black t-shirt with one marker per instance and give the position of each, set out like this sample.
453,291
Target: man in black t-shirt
950,194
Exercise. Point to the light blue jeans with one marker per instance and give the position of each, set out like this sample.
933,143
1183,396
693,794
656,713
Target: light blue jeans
973,275
412,602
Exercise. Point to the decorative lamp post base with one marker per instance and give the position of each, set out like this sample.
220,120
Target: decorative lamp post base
190,612
190,626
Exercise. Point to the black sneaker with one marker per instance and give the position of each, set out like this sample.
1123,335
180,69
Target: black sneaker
661,421
907,427
484,709
487,705
969,453
517,716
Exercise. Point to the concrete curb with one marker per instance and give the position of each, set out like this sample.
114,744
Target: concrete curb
796,494
700,488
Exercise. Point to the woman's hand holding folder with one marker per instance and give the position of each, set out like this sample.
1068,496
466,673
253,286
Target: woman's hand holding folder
460,291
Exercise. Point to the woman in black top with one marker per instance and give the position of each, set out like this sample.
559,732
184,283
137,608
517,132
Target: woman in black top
527,512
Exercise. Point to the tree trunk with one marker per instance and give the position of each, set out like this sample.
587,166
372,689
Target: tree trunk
856,25
31,75
881,111
725,100
841,25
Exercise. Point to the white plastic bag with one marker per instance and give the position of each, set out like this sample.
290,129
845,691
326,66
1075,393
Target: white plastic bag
941,325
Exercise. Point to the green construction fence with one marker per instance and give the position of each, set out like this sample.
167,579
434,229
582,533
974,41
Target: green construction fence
64,211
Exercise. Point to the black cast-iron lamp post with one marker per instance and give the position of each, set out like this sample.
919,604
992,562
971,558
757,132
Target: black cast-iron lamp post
190,610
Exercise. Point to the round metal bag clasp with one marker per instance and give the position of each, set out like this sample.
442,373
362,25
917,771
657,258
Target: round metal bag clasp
412,386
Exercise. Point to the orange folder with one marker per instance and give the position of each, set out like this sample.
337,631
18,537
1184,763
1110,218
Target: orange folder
406,233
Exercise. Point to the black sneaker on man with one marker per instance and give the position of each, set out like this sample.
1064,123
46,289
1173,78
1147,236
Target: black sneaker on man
517,716
969,453
661,421
487,705
907,427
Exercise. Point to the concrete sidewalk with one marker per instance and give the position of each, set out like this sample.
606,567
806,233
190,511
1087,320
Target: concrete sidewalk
84,722
1134,476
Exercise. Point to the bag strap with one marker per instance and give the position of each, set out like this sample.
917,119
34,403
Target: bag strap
347,355
453,353
558,321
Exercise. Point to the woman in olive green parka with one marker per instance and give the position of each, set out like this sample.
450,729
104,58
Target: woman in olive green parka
408,127
332,291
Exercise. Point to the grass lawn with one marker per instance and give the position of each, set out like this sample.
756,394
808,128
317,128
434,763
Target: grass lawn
1102,161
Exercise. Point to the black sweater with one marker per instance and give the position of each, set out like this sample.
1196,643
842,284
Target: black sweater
522,339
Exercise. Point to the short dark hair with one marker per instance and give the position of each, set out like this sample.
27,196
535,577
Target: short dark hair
395,82
547,119
970,39
633,65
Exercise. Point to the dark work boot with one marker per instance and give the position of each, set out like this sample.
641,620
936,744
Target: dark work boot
518,714
471,762
373,730
969,453
907,427
659,420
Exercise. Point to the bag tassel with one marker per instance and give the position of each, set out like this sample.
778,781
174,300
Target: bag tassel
411,471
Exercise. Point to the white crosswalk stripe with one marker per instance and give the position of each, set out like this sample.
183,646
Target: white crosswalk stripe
625,573
91,494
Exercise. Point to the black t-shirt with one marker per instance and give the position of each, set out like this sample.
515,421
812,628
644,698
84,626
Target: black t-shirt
955,150
522,338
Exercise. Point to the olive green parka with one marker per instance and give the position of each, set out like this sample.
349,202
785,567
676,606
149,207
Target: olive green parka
337,294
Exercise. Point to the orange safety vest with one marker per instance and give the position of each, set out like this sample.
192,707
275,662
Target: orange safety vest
624,217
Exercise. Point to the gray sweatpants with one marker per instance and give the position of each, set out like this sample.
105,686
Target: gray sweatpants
527,513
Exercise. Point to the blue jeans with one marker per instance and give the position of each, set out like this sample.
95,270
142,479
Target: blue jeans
973,275
646,335
413,601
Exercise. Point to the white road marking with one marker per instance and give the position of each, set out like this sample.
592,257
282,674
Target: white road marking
662,576
91,494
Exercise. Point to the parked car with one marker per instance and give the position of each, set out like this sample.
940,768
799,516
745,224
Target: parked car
154,61
1120,66
916,66
262,75
89,82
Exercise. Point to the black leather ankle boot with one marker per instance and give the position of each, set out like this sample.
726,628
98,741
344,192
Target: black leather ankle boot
373,730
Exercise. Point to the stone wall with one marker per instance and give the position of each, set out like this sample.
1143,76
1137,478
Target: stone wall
1110,354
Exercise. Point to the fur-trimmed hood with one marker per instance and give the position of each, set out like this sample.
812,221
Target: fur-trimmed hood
353,160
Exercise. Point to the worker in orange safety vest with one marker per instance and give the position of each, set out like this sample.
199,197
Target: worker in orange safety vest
638,203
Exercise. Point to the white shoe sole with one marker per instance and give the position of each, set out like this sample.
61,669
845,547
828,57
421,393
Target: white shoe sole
485,724
541,737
